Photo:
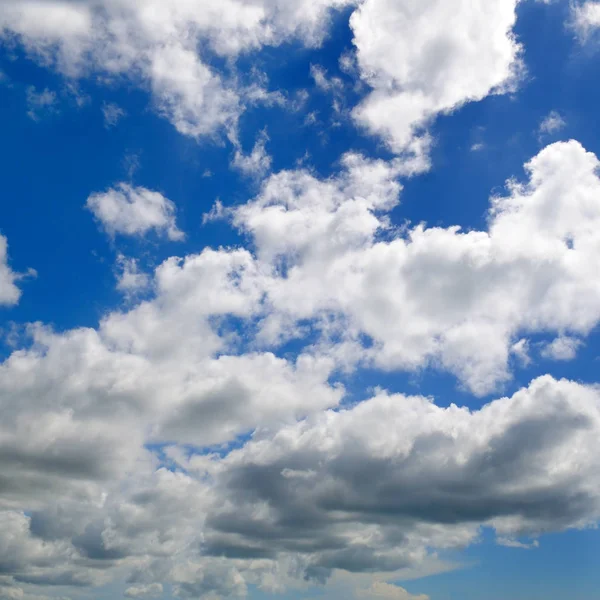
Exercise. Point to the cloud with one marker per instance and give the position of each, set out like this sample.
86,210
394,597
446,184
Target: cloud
562,348
552,123
112,114
586,18
144,591
9,292
155,44
181,443
370,488
512,543
130,280
134,211
430,296
380,589
430,58
257,163
426,70
40,103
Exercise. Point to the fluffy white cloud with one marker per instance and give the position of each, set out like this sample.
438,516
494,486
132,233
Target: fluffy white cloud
432,296
190,372
430,57
130,280
420,61
156,44
257,163
562,348
586,18
134,211
9,292
380,589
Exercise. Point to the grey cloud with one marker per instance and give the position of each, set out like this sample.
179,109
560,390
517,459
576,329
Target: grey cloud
509,465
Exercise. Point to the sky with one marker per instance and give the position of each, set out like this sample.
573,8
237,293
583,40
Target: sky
299,300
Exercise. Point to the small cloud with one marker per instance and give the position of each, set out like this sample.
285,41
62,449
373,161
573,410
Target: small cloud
144,591
113,113
134,211
552,123
512,543
329,85
207,174
257,163
40,103
311,118
80,98
380,590
521,351
348,64
131,163
562,348
585,19
217,213
477,147
324,83
130,279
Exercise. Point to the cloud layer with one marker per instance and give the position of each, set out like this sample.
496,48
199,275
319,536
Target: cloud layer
176,443
200,438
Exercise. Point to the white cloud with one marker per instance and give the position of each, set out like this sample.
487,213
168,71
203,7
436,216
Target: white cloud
427,69
112,114
562,348
313,486
552,123
586,18
257,163
432,296
428,58
40,103
144,591
512,543
131,210
380,589
155,44
9,292
130,280
521,350
322,81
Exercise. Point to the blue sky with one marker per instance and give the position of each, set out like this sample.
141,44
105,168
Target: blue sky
238,317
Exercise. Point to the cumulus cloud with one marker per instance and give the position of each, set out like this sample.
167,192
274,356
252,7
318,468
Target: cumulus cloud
198,439
9,292
180,442
562,348
586,18
372,487
130,279
155,44
429,58
432,296
257,163
415,63
380,589
135,211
